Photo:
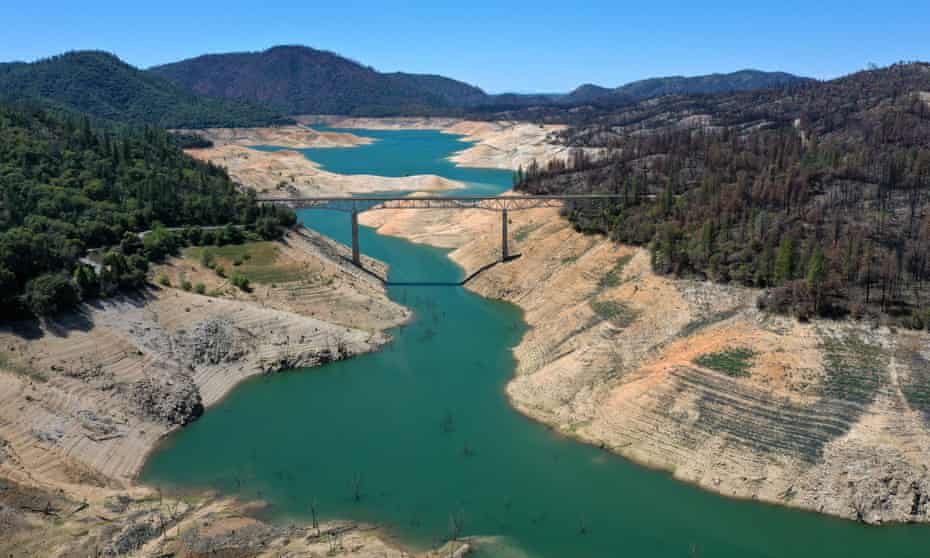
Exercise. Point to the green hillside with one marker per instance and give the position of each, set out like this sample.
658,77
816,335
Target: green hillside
103,86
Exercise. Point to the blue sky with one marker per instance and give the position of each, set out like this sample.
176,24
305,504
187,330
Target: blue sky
498,45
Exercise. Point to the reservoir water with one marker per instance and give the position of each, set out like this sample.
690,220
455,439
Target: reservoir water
423,433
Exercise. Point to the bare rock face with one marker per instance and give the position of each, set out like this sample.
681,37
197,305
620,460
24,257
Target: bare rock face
869,487
215,341
133,536
173,401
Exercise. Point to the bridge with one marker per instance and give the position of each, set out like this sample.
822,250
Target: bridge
502,204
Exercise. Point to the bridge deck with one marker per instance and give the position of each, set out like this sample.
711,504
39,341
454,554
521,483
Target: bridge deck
491,203
503,204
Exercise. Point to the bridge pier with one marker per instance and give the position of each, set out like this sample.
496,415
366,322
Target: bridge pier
356,254
505,253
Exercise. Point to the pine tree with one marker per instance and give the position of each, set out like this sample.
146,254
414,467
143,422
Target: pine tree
816,273
784,261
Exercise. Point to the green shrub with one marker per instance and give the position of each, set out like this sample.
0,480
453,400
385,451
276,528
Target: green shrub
613,277
49,294
617,313
164,281
241,282
186,285
87,282
732,362
207,258
200,288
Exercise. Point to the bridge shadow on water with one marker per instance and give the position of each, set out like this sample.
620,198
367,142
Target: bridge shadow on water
423,284
461,283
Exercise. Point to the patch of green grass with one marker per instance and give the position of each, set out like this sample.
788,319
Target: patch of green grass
695,325
917,386
255,261
732,362
613,277
856,369
617,313
526,231
10,365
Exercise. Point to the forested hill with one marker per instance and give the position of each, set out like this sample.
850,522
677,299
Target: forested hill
302,80
66,187
743,80
101,85
818,192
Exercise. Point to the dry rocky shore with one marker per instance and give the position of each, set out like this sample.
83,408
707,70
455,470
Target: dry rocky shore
86,396
827,416
832,417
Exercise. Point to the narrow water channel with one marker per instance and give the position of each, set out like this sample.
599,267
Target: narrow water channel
423,432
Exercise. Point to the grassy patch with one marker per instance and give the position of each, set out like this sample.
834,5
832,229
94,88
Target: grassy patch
10,365
613,277
695,325
526,231
255,261
917,385
856,369
732,362
617,313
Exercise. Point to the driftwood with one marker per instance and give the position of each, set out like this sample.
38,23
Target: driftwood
339,530
48,510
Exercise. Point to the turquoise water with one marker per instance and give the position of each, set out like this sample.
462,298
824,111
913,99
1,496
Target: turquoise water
407,153
423,432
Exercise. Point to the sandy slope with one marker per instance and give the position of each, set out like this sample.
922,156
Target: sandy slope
797,431
294,137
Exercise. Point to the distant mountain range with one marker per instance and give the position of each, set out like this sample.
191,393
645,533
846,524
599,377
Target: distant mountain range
743,80
302,80
257,88
103,86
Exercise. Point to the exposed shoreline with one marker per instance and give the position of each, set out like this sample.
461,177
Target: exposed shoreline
104,387
609,412
505,145
288,173
567,377
568,383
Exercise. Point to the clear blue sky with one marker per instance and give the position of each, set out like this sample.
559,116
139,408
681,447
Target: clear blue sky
498,45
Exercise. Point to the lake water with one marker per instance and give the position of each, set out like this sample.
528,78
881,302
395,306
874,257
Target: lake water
422,431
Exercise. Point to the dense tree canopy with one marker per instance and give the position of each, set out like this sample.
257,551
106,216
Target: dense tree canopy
66,186
101,85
